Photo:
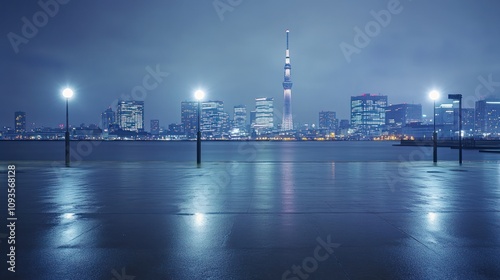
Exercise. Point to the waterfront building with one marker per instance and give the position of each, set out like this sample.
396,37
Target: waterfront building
131,115
368,114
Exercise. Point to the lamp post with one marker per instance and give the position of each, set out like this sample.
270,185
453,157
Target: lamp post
434,95
459,98
67,93
199,95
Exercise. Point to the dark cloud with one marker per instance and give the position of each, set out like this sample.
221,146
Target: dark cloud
102,48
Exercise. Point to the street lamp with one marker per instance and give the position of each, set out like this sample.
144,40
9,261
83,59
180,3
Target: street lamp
434,95
198,95
67,93
459,98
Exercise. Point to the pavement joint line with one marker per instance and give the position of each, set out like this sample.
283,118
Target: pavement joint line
407,234
69,241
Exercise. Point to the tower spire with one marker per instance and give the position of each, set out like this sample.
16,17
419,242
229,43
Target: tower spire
287,123
287,32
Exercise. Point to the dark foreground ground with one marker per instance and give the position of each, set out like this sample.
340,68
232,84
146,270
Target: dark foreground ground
265,220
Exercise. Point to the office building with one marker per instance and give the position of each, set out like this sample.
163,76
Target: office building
399,115
240,118
189,118
445,114
264,115
155,127
131,115
107,118
328,120
214,121
368,114
488,117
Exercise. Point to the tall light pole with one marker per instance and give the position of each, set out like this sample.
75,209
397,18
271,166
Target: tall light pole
459,98
67,93
434,95
198,95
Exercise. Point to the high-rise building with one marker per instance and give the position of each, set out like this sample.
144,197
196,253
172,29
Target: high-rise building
214,121
467,120
155,127
240,117
368,114
107,118
189,118
264,115
287,123
252,119
488,117
131,115
399,115
20,122
445,114
328,120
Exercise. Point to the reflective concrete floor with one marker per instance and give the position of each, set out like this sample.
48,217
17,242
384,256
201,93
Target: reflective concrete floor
266,220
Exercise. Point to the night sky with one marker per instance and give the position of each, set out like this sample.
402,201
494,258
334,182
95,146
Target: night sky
102,50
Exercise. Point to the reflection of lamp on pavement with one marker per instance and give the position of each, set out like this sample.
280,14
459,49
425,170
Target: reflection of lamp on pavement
434,95
198,95
459,98
67,93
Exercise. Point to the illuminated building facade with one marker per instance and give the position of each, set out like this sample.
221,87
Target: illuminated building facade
368,114
240,119
488,117
328,120
399,115
264,115
131,115
189,118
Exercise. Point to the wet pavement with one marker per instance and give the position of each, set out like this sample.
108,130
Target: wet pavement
264,220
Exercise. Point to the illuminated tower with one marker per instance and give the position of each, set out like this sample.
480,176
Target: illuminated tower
287,89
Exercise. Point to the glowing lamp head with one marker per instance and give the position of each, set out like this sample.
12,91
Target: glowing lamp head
199,95
434,95
67,93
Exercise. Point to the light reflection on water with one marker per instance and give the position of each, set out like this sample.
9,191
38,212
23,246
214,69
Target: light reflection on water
128,151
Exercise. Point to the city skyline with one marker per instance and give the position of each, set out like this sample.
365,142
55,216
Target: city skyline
371,116
120,52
